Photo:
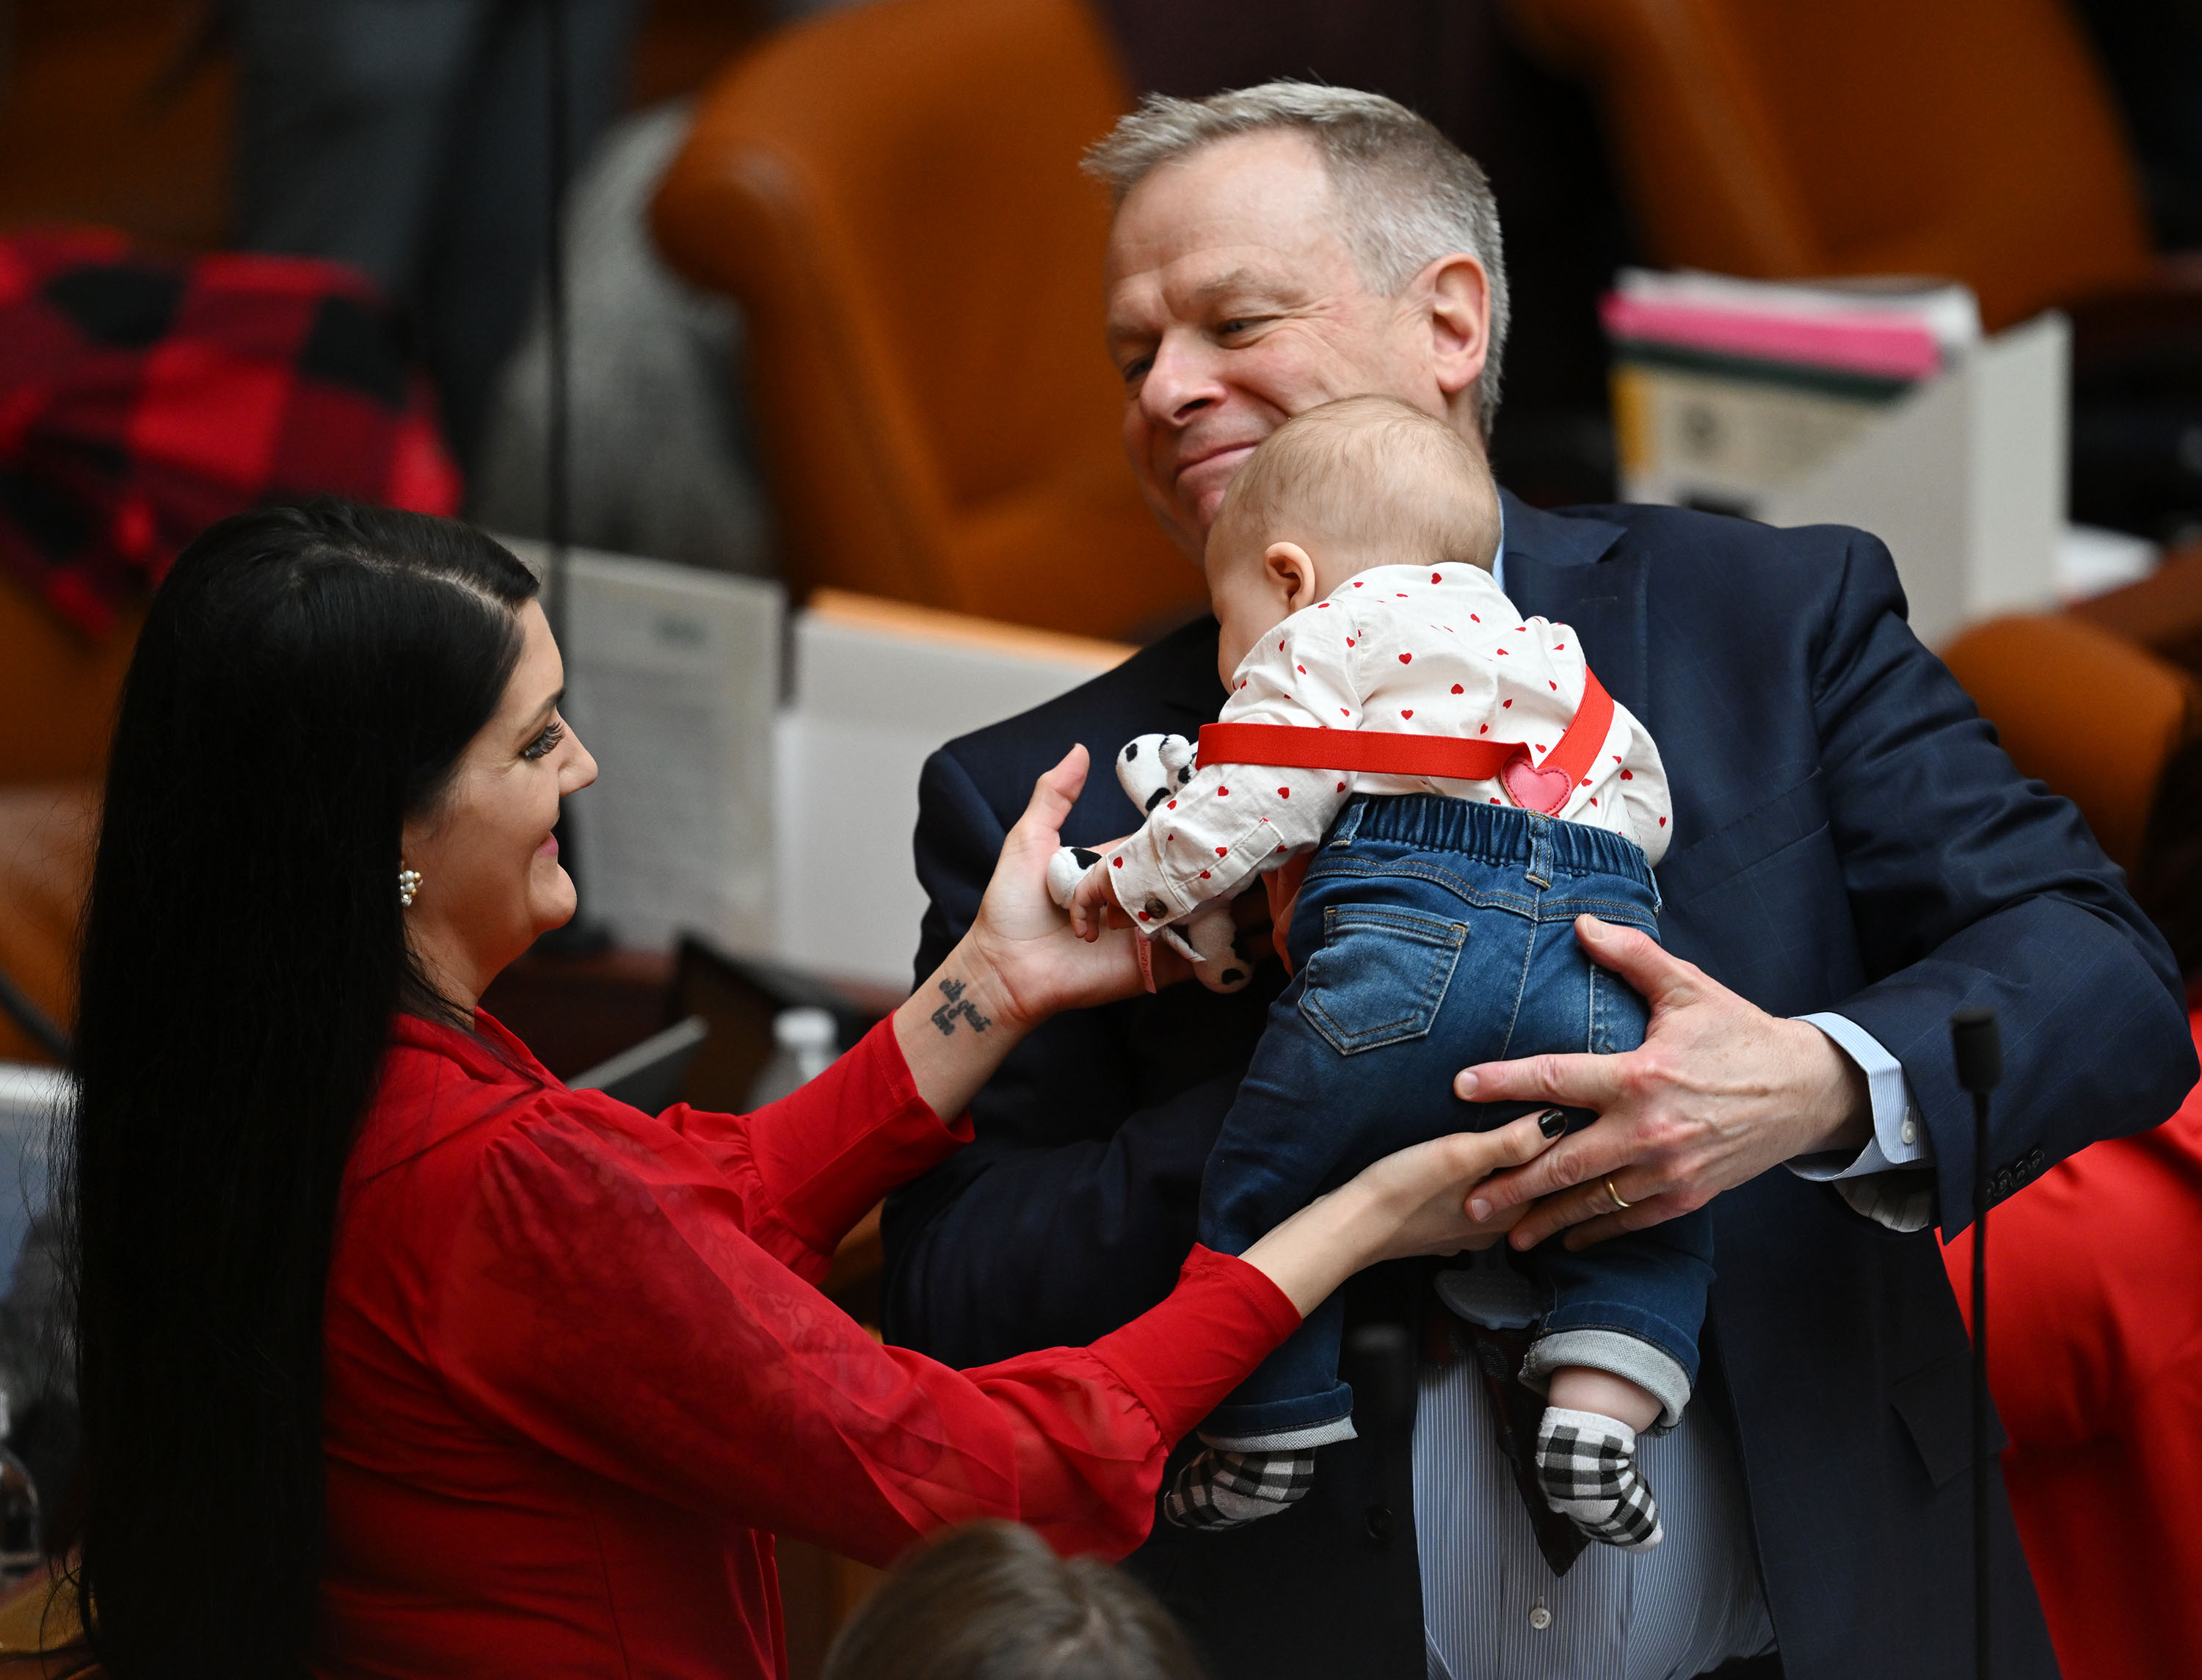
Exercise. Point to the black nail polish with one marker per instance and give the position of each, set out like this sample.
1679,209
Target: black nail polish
1551,1122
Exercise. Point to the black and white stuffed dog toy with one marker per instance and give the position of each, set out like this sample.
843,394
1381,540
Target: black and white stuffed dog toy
1149,770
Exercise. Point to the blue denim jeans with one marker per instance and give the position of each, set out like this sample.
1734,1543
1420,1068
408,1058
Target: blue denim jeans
1431,933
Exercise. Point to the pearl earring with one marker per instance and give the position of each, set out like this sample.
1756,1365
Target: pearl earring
409,883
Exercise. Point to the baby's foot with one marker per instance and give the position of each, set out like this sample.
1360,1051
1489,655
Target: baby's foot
1586,1466
1228,1490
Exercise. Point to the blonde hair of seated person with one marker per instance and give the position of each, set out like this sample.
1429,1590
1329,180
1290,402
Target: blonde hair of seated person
990,1601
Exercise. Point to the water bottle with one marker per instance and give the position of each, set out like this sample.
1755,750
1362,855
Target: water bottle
803,1046
19,1551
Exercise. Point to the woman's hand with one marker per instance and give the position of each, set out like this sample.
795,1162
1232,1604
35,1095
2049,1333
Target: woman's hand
1020,964
1030,956
1413,1202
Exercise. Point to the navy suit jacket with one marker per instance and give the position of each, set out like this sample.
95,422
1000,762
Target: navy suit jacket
1847,836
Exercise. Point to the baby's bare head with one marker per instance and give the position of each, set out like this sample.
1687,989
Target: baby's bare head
1360,482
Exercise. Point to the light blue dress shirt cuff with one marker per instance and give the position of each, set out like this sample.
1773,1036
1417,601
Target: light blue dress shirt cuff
1887,1180
1899,1138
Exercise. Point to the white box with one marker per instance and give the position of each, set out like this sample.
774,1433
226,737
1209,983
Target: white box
878,687
1963,478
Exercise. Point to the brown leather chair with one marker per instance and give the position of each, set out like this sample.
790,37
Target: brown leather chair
60,690
46,837
893,193
2090,713
57,689
41,1634
1973,138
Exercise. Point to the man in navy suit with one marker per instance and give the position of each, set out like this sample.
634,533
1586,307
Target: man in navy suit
1853,859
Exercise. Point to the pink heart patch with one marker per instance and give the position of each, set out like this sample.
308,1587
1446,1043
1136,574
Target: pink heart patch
1544,790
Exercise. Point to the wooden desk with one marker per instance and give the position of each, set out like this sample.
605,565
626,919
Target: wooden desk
574,1011
40,1635
2162,611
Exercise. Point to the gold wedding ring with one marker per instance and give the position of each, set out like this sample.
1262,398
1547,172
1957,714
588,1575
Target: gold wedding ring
1620,1206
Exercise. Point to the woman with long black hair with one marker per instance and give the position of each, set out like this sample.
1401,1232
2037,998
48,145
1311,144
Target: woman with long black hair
398,1357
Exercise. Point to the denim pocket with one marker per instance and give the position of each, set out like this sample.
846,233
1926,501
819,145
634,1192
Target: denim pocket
1380,975
1618,1013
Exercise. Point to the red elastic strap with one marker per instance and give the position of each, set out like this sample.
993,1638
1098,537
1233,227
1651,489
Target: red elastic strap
1381,752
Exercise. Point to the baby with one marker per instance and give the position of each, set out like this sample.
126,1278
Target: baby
1435,788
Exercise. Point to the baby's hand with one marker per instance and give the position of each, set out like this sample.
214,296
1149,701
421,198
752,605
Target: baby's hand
1091,904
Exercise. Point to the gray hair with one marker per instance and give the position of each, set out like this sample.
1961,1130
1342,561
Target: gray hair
1410,196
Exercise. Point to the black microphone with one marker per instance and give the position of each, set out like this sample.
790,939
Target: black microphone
1979,1048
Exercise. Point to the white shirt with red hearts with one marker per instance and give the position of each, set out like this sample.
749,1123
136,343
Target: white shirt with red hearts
1408,650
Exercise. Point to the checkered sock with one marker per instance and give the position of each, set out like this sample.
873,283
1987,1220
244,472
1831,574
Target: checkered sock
1587,1465
1228,1490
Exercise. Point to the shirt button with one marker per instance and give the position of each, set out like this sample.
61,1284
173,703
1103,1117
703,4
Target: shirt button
1155,907
1540,1618
1910,1132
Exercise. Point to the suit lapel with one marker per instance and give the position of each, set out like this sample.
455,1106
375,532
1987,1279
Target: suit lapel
1187,686
1564,569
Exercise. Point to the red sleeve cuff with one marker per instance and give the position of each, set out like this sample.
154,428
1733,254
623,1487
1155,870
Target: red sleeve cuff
839,1143
1183,1357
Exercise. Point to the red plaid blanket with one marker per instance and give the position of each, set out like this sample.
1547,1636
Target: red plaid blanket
144,395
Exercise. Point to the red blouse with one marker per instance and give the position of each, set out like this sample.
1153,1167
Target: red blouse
2095,1362
578,1373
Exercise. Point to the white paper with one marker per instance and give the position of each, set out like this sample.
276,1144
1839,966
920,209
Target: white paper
2091,561
672,682
1947,309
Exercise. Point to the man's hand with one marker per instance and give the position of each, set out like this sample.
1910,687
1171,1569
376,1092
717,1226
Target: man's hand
1719,1092
1091,904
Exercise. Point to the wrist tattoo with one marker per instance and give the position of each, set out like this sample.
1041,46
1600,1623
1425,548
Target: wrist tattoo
944,1017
